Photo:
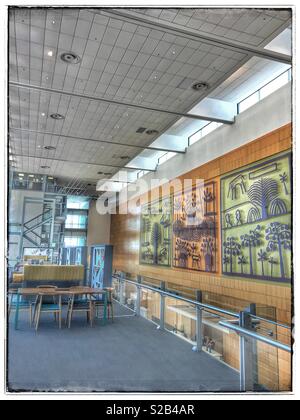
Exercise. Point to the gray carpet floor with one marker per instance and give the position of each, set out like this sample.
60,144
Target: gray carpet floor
129,355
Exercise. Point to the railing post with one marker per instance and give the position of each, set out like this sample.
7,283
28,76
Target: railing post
162,307
122,289
246,355
138,296
199,338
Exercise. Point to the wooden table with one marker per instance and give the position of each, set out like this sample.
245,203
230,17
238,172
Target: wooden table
59,293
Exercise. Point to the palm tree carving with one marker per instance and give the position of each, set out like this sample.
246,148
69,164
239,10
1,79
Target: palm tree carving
262,193
283,179
262,257
155,240
208,197
242,261
146,229
207,248
231,248
279,238
272,262
226,262
250,241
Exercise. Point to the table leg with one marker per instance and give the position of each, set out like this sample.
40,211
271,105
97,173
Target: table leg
17,311
105,309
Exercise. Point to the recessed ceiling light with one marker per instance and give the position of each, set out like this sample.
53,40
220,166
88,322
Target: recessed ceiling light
49,147
151,132
50,177
43,114
31,176
200,86
39,146
50,53
21,174
70,58
56,116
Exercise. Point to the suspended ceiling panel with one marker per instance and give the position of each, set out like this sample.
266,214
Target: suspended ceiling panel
249,26
119,60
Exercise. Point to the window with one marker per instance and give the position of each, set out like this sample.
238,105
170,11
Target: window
266,90
195,137
274,85
74,241
248,102
81,203
208,128
166,157
76,221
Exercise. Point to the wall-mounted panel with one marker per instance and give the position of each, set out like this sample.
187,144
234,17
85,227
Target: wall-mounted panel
194,228
256,220
155,239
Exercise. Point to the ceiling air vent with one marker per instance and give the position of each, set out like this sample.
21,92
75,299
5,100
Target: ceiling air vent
140,130
70,58
200,86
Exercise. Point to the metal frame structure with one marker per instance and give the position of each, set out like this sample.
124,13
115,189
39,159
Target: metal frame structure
243,325
152,169
114,143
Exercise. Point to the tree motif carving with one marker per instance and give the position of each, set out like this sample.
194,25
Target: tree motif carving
279,238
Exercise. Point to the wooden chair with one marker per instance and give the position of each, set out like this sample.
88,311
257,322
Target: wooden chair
44,305
104,301
23,305
79,302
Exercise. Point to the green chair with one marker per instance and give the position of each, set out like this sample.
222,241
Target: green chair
79,302
23,305
46,302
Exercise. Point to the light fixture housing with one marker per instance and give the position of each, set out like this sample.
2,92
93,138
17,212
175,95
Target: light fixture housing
49,147
57,116
151,132
70,58
45,167
200,86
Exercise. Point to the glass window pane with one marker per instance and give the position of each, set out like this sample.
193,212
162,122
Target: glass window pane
74,202
274,85
195,137
248,102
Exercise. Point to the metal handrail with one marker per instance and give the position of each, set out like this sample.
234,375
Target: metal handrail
191,301
227,324
252,334
271,322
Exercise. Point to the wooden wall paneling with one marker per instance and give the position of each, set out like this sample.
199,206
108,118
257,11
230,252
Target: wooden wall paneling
125,236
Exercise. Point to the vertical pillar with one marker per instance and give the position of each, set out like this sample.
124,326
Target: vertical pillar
199,338
162,307
122,288
246,355
138,296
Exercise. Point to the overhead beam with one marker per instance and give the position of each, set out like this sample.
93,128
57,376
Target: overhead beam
119,103
89,163
212,39
159,149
